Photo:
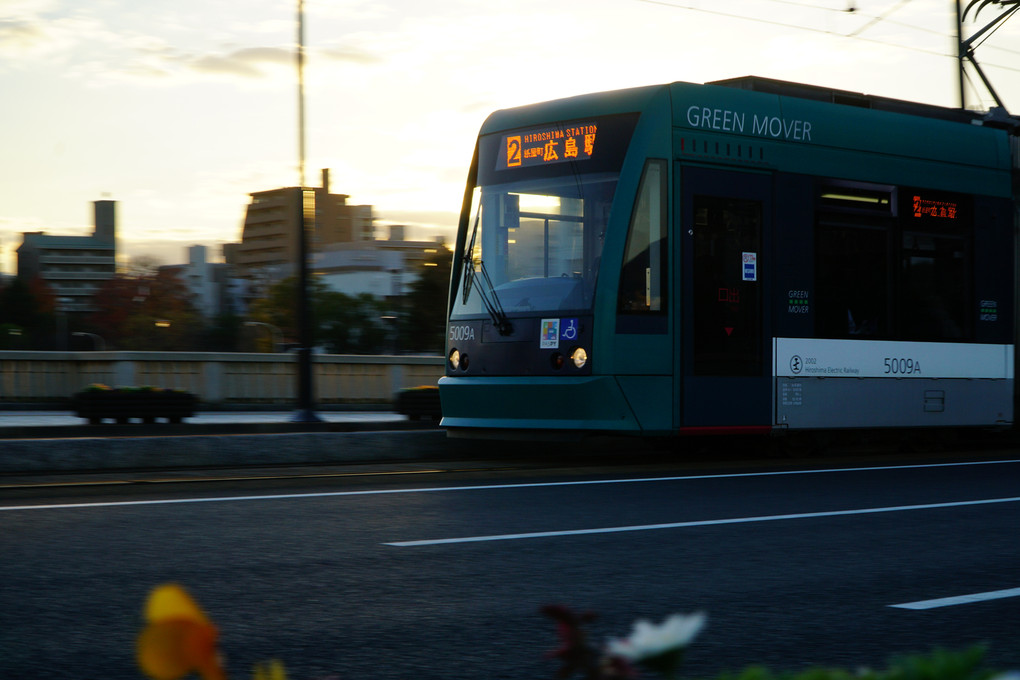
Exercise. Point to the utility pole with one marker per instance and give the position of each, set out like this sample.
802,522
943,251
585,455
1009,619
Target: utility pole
965,47
305,412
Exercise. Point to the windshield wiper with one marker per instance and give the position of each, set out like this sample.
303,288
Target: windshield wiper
492,306
469,266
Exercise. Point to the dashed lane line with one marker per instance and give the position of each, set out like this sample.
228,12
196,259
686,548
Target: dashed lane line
959,599
697,523
487,487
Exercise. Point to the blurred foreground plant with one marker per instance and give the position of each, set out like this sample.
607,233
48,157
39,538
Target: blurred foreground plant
660,649
179,638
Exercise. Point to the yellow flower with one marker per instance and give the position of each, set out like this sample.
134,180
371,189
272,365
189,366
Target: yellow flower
179,638
270,670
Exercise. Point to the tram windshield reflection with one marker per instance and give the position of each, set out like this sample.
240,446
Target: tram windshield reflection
540,242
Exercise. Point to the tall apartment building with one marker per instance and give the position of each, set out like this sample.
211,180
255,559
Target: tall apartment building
269,241
74,267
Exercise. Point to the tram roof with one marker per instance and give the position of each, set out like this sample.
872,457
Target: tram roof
996,118
890,137
848,98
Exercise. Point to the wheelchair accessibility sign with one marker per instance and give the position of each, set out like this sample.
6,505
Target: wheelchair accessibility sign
554,330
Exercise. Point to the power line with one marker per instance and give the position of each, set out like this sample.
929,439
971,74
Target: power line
809,5
877,19
773,22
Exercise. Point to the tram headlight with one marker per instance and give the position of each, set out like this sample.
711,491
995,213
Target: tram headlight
579,357
454,358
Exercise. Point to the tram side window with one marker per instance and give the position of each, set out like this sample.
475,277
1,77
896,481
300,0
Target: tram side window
643,275
933,297
897,269
852,282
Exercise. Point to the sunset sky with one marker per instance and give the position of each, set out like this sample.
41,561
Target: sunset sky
178,109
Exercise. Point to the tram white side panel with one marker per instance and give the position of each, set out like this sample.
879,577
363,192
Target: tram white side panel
823,383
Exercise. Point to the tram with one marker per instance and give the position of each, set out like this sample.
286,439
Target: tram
742,256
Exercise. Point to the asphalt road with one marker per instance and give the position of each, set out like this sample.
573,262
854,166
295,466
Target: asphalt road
402,572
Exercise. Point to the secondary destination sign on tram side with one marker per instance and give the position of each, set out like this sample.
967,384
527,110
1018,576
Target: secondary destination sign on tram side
547,145
925,207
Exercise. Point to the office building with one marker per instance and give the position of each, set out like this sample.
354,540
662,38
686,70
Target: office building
269,246
74,267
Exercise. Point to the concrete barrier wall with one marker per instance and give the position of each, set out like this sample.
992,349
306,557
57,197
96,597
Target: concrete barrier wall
217,378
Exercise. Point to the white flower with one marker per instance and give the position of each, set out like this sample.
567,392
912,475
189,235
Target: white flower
648,640
1008,675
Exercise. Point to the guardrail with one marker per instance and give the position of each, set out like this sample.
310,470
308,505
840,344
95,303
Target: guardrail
217,378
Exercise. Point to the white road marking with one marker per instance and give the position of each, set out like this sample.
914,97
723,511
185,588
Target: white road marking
959,599
699,523
486,487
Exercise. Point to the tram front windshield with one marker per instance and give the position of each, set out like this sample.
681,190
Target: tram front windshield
539,216
539,244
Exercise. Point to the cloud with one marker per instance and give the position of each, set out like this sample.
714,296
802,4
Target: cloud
17,35
352,55
249,62
23,8
153,61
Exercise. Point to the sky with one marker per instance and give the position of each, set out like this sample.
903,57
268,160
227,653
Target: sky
179,109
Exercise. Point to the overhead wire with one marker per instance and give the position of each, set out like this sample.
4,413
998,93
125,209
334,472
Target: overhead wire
773,22
877,19
1001,22
808,5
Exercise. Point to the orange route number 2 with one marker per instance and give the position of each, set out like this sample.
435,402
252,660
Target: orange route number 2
513,151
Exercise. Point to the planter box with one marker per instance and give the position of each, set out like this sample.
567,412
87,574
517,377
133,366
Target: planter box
419,402
124,405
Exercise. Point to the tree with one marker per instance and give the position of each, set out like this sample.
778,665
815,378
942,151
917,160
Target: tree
279,306
27,315
222,335
152,312
423,325
350,325
342,324
142,266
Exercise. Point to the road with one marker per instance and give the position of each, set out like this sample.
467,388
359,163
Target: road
379,573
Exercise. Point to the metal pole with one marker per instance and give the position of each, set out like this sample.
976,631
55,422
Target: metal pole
301,90
960,53
305,406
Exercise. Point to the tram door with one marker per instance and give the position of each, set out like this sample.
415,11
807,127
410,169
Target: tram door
725,223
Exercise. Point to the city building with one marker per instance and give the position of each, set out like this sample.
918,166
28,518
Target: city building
214,289
383,269
74,267
269,240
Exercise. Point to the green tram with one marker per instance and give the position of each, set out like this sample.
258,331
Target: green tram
741,256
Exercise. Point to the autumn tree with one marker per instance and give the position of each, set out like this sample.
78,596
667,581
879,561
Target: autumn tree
150,312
